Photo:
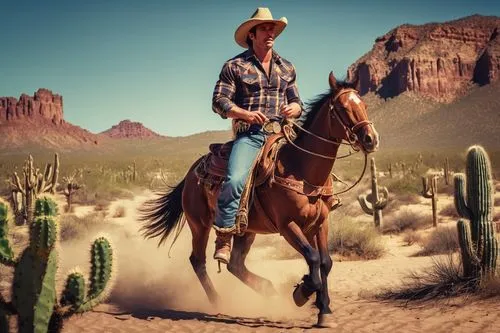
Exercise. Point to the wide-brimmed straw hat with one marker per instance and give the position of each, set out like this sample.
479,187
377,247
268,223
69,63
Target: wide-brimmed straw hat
261,15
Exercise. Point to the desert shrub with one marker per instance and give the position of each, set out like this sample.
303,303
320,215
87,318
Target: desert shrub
443,279
405,185
441,240
101,195
101,205
397,201
74,227
446,189
449,210
351,240
119,211
411,237
406,219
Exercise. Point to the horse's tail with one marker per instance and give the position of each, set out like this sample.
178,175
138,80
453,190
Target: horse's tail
161,215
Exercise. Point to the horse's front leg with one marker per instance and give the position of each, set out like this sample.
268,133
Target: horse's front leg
325,317
311,282
241,247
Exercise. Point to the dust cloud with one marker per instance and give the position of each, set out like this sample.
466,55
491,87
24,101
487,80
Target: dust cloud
147,279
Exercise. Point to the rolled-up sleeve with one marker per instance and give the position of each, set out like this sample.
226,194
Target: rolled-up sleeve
292,92
225,88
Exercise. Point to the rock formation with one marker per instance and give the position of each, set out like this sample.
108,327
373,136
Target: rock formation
437,60
44,104
129,129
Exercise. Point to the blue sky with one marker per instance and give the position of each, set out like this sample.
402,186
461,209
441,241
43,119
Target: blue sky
157,61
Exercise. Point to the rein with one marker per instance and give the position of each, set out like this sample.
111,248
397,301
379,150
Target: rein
351,135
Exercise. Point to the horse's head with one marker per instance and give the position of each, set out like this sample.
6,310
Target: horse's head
346,106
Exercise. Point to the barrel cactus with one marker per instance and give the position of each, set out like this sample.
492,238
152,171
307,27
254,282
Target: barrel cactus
474,201
34,296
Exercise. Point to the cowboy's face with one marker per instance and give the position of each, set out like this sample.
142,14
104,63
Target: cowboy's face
264,36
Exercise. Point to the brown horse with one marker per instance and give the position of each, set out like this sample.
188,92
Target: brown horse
302,219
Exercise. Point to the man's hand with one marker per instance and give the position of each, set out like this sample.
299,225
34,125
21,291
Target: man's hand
292,110
250,117
255,117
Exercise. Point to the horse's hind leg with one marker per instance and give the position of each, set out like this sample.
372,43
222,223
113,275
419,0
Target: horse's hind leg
198,260
241,247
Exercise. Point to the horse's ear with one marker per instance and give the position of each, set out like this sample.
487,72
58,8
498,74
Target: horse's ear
332,80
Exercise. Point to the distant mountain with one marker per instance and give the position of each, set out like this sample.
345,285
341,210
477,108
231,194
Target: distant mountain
38,121
439,61
411,122
127,129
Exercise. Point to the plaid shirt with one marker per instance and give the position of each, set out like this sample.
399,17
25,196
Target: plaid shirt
243,82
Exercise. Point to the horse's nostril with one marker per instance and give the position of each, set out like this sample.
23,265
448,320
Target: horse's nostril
368,139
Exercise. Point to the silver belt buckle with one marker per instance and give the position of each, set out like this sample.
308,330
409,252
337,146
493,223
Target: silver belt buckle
272,127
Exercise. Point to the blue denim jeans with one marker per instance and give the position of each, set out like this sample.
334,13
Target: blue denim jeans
245,149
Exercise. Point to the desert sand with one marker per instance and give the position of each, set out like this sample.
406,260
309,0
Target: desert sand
157,293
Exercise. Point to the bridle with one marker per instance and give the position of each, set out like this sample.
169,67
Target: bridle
351,135
334,112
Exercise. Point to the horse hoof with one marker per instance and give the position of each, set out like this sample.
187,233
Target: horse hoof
325,320
299,296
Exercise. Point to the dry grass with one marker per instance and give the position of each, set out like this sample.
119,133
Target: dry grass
406,219
411,237
449,211
101,206
396,202
73,227
442,240
407,185
351,240
442,280
446,189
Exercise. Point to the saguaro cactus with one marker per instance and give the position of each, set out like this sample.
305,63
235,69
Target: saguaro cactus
446,171
70,187
373,203
429,191
478,245
34,183
33,289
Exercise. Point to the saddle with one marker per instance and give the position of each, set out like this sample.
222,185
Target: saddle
212,168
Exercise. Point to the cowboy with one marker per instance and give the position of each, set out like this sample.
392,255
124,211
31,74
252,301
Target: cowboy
253,87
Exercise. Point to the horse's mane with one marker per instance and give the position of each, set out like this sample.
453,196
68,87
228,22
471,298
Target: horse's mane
317,102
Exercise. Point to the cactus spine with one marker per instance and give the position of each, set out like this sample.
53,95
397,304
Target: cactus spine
33,290
429,191
373,203
34,184
479,247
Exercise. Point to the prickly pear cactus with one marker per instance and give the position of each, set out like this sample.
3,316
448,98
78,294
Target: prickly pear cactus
478,244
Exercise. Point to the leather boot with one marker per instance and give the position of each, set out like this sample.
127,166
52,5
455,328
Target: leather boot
223,246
